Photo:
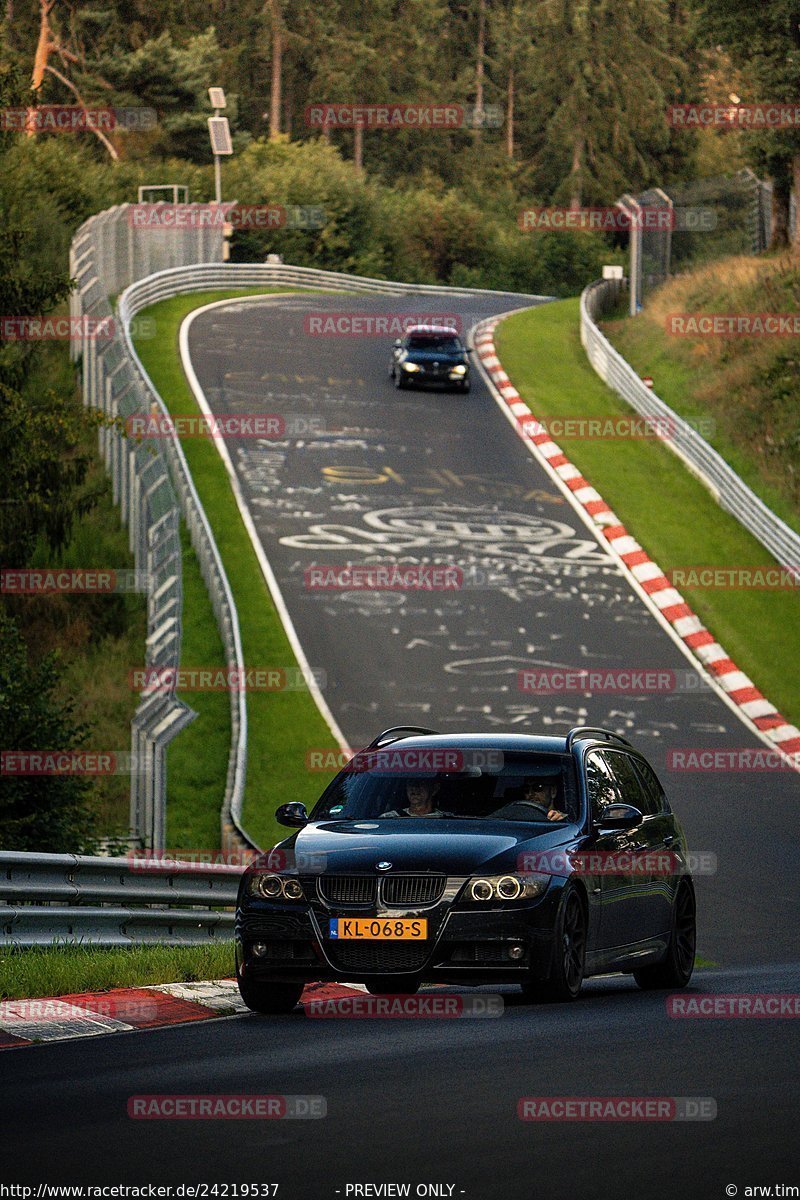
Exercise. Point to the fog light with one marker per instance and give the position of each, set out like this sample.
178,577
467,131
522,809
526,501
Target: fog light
516,952
259,949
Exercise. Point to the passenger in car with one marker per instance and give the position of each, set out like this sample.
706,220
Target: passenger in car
420,794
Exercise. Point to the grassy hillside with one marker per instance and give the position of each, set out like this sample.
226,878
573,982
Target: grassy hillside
749,386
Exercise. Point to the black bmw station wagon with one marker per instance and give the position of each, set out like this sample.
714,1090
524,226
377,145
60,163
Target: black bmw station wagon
430,355
470,859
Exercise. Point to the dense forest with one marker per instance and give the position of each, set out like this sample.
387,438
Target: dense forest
574,93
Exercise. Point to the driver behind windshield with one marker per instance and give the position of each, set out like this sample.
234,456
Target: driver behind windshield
421,796
543,793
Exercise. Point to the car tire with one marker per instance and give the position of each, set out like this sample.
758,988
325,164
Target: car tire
675,968
397,985
465,387
268,997
569,955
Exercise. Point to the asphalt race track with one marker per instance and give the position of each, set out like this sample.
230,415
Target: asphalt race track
442,478
421,1101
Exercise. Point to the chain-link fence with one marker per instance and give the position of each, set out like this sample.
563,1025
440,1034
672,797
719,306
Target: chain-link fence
107,254
711,218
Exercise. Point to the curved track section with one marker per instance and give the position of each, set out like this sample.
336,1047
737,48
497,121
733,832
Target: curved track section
374,476
437,478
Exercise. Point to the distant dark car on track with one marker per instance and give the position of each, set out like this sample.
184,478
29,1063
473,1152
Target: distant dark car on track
428,354
471,859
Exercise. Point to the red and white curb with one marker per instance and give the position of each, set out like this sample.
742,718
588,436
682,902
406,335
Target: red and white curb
122,1010
742,694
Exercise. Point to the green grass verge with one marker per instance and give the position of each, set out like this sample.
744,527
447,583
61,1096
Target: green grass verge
65,970
664,506
197,760
282,725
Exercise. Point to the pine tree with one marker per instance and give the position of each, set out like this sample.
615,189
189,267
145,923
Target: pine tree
764,41
604,75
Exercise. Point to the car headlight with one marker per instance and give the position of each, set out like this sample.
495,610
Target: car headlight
275,887
407,366
459,370
484,889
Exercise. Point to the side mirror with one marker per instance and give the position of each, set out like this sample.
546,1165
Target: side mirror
617,818
293,814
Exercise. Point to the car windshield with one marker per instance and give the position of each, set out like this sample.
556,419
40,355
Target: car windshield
433,341
485,785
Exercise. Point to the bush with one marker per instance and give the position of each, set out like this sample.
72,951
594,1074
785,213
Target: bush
48,813
425,233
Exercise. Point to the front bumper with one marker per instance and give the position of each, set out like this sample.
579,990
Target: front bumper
467,945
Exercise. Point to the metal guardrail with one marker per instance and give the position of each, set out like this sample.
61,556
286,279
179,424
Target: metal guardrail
730,492
107,252
206,276
212,569
71,898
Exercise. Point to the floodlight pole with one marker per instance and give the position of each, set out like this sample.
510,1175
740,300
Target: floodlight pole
632,207
217,171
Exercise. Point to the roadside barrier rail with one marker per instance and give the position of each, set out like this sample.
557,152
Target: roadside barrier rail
730,492
48,899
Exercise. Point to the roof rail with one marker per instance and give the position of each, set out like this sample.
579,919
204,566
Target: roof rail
396,732
589,730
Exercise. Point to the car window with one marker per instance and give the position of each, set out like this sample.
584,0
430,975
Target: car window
631,788
601,784
370,787
652,786
429,341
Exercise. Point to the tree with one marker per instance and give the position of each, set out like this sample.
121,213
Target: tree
356,60
276,29
604,71
43,469
764,41
51,43
47,813
511,35
172,79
